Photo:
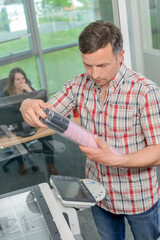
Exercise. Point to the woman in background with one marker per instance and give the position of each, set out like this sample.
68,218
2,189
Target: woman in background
18,84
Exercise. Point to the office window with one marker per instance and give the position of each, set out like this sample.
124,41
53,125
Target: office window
44,28
144,28
150,17
14,32
60,22
59,25
58,70
155,23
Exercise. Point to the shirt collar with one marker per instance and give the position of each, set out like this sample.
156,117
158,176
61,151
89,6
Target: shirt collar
118,79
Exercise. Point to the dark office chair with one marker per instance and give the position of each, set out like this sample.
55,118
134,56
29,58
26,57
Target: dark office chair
2,85
13,158
10,154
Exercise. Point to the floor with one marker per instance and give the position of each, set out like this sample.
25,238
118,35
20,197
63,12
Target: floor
70,162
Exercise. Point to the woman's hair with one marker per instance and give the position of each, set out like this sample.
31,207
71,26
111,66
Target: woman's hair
10,89
98,35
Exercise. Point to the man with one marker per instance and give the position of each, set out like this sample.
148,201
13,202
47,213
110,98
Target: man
121,108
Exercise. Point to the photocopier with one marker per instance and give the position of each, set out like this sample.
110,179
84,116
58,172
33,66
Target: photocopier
48,211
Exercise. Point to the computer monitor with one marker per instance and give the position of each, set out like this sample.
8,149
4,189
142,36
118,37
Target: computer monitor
9,107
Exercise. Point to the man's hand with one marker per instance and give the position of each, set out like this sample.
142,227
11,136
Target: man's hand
102,155
32,110
105,155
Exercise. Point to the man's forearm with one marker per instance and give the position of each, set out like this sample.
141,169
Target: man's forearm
149,156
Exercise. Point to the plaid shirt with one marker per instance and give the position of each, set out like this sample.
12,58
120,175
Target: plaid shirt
129,119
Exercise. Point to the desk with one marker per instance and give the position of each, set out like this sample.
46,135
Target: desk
14,140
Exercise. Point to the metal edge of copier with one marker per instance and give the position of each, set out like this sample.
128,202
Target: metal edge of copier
56,212
50,223
4,195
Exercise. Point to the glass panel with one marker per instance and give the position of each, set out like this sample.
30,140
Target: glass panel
21,218
60,22
58,25
104,10
56,30
61,66
150,17
155,23
14,34
144,29
29,67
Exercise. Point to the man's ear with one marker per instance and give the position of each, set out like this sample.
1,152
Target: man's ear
121,55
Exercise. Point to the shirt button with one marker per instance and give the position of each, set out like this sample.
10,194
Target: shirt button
100,112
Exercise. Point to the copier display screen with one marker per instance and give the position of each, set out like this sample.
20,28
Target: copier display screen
21,218
72,190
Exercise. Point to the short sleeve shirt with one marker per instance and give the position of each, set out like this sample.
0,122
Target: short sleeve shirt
129,120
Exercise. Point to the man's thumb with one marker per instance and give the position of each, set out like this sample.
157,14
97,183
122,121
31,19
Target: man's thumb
99,141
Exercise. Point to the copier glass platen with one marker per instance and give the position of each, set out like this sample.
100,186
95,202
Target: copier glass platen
32,213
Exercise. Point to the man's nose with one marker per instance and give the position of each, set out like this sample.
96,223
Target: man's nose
95,72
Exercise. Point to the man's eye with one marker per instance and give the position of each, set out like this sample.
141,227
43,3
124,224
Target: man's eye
103,66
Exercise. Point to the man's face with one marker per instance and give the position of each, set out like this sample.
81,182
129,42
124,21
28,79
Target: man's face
102,65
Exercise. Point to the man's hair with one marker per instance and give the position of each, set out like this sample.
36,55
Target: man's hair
98,35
